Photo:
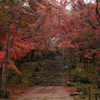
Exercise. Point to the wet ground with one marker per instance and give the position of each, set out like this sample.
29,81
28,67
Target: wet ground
48,93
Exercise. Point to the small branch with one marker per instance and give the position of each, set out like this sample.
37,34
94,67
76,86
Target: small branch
62,26
97,18
74,8
91,23
97,12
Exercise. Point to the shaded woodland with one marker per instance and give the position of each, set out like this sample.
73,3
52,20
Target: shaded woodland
31,31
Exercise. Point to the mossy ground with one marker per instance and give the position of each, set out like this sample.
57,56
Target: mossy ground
27,70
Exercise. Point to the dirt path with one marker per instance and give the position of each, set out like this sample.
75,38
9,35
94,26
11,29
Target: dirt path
47,93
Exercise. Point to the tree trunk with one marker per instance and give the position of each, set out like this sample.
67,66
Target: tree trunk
3,87
29,56
19,68
84,62
80,60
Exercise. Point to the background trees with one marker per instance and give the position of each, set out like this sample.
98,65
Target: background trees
42,25
23,28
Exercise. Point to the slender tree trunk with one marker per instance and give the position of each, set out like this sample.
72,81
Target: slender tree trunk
19,68
84,62
3,87
29,56
80,59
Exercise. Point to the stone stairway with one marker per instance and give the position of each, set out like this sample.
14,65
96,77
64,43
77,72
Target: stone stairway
54,73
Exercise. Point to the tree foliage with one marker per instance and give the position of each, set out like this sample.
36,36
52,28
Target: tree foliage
41,25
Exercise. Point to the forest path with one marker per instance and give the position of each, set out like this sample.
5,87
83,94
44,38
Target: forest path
52,85
48,93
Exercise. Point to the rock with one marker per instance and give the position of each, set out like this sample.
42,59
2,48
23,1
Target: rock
68,83
66,66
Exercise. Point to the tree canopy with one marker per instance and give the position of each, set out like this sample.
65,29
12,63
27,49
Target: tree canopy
46,24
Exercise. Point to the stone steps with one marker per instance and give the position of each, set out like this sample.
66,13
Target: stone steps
54,65
53,73
54,70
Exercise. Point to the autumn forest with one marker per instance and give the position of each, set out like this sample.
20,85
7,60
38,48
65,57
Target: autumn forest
31,28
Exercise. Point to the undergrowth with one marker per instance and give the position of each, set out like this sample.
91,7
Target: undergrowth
27,70
86,77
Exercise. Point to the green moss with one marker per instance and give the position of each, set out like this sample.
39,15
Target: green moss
27,69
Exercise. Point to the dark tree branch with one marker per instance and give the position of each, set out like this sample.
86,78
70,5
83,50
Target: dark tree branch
61,25
97,12
97,18
74,8
91,22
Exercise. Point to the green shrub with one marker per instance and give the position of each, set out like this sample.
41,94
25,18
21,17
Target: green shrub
81,88
37,67
85,91
79,78
75,77
73,66
71,94
84,79
78,87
